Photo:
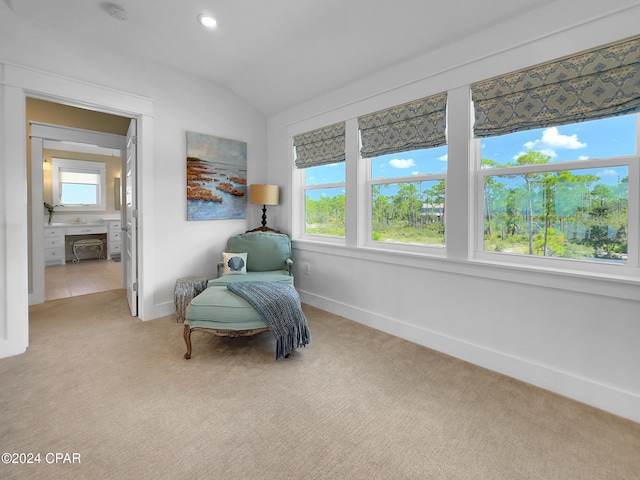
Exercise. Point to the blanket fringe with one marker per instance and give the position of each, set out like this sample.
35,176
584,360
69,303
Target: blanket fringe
279,306
298,337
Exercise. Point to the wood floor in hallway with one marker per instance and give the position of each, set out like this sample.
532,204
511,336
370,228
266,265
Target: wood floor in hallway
88,276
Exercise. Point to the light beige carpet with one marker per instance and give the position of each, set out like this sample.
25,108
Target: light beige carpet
355,404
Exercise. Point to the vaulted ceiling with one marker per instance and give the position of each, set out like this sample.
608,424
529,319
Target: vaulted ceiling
277,53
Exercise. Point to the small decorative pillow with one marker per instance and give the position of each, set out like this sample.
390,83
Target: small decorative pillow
234,263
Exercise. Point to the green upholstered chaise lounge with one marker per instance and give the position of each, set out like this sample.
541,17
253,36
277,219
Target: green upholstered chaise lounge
219,311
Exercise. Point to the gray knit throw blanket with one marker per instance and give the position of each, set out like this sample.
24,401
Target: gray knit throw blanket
279,306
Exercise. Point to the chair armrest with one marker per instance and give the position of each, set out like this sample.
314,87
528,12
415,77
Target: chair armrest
289,265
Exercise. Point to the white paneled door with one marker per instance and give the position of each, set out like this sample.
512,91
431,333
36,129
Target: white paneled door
130,222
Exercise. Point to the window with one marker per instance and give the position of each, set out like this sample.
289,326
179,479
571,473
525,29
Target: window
407,164
79,185
561,192
551,181
407,197
558,175
325,200
320,154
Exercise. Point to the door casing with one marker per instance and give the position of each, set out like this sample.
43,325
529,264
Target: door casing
17,84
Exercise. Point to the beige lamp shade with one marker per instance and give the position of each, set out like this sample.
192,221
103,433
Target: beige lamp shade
260,194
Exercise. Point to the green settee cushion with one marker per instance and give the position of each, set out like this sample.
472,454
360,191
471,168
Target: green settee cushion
266,251
219,306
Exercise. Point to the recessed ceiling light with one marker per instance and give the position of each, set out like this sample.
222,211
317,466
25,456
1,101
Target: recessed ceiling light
207,20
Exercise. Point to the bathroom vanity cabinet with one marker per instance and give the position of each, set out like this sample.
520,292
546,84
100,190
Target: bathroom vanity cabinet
58,240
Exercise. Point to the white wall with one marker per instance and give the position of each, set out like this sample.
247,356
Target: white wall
171,246
572,335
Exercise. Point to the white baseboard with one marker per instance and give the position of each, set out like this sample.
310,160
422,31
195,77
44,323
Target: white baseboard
161,310
584,390
10,349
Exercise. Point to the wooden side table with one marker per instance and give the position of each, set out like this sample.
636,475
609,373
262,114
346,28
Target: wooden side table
186,289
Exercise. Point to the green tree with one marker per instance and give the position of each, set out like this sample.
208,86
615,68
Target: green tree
490,186
381,206
434,197
407,202
531,181
326,215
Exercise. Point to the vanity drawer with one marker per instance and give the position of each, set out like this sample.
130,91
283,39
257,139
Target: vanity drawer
53,232
85,230
114,226
52,254
115,236
114,247
53,242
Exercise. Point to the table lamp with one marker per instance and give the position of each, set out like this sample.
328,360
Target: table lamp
260,194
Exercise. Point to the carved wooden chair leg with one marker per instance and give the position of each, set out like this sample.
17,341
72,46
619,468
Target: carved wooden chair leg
187,340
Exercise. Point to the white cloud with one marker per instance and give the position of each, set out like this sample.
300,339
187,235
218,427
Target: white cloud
552,138
549,151
402,163
608,173
583,157
444,158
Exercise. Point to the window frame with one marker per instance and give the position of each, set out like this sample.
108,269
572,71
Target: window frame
302,178
464,213
632,162
79,166
368,211
462,253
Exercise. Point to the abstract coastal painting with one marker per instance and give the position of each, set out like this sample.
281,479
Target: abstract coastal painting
216,178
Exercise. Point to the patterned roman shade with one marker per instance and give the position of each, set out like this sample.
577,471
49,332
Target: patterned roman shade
320,147
599,83
410,126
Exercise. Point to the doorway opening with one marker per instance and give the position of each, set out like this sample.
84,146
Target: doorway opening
18,228
68,270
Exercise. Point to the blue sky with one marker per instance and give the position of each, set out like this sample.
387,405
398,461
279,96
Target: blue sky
609,137
216,149
79,194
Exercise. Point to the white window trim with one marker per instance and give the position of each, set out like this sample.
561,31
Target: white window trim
629,269
302,234
395,246
461,255
81,166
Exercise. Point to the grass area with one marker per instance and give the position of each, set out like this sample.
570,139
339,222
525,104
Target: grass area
329,230
410,236
433,235
519,245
